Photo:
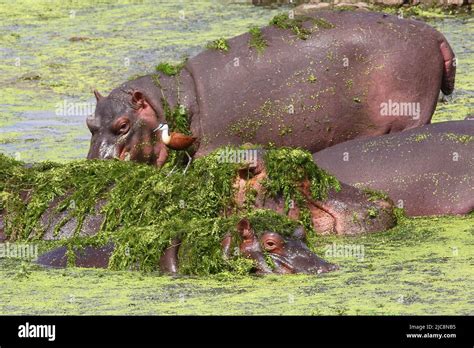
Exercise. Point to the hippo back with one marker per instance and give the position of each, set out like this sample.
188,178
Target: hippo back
428,170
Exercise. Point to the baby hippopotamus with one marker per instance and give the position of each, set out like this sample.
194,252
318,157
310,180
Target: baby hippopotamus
287,254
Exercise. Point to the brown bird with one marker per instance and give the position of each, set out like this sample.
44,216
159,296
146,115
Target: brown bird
176,141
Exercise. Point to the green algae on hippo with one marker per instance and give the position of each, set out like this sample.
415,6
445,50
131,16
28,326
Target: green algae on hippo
87,205
308,82
427,171
342,210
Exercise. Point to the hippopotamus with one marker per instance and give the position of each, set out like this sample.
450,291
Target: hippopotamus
309,81
87,257
288,255
347,211
427,171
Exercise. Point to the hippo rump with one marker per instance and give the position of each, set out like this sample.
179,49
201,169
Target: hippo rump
316,81
428,170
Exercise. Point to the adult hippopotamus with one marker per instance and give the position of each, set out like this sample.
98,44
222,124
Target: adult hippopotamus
309,82
288,254
428,170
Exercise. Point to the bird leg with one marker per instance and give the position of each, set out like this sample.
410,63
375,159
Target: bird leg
189,161
172,170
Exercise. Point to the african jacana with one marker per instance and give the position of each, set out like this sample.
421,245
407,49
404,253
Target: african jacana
176,141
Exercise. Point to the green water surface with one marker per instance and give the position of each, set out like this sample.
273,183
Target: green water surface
57,51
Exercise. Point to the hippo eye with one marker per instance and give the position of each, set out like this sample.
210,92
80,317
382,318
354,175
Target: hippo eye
270,245
272,241
122,127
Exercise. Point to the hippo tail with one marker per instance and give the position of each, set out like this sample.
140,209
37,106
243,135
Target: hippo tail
449,66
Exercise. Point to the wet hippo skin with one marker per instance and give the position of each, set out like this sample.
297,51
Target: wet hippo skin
428,170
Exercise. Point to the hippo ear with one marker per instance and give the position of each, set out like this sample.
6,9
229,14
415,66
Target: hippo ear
245,230
299,233
138,99
243,224
97,94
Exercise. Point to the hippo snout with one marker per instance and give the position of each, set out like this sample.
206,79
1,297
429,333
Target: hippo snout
293,256
288,255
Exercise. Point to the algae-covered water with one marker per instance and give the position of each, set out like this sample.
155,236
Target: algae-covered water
425,266
53,53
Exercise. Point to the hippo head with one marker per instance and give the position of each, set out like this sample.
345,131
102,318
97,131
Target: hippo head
123,126
288,254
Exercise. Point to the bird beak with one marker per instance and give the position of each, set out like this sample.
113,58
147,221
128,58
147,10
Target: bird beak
160,126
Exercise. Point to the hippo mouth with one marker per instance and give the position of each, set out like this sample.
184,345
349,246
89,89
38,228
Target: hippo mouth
124,154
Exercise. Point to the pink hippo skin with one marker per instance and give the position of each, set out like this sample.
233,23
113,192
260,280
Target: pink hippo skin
428,170
311,93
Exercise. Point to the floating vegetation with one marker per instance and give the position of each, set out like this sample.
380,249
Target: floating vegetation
375,195
424,11
287,167
145,209
419,137
177,118
458,138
